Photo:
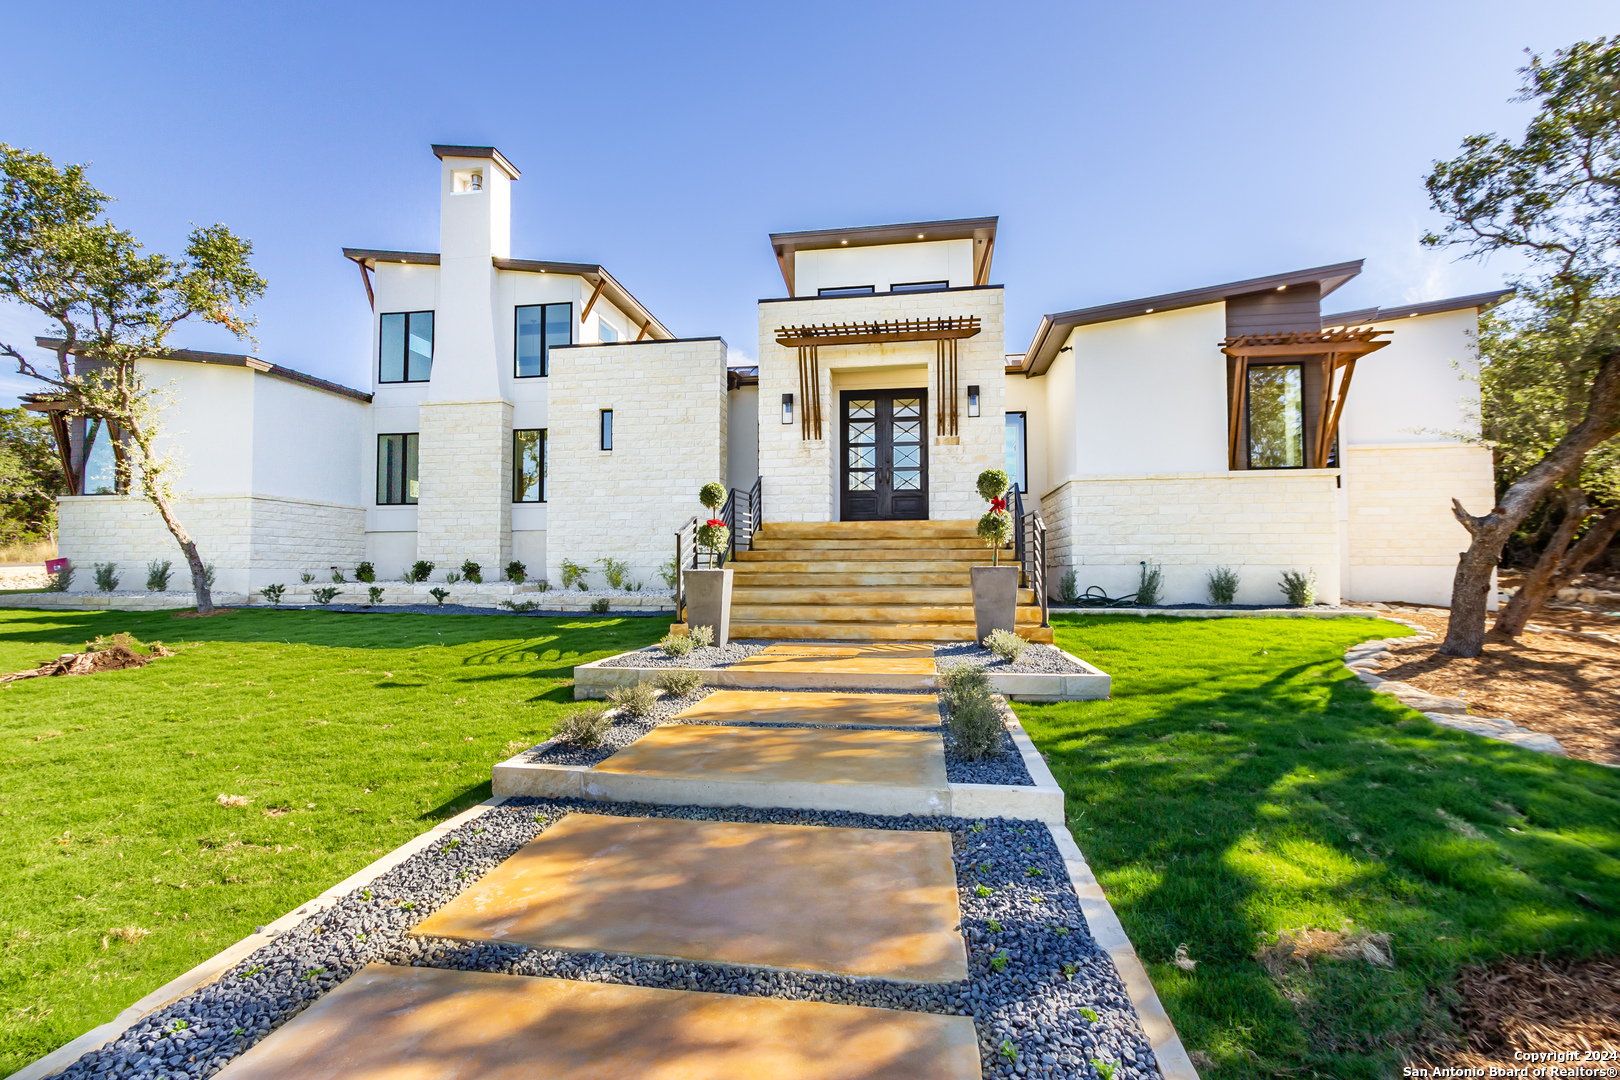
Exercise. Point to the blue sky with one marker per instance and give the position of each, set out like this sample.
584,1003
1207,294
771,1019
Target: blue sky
1129,149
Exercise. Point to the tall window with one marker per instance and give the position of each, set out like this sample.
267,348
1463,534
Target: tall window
396,469
539,327
1276,417
100,463
407,346
1016,453
529,466
607,429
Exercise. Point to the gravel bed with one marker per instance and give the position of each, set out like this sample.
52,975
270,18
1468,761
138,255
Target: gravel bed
712,657
1036,658
625,730
1019,913
1006,768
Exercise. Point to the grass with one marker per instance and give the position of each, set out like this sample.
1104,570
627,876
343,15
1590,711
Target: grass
1241,782
347,734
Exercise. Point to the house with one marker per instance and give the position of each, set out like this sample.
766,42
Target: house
536,410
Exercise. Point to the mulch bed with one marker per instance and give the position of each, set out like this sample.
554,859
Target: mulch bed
119,653
1538,1006
1565,686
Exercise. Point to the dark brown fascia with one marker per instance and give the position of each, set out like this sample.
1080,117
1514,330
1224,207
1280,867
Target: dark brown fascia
442,151
982,230
1044,349
370,257
199,356
1483,302
869,296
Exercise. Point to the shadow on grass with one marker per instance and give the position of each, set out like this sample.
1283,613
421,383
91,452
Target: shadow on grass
468,799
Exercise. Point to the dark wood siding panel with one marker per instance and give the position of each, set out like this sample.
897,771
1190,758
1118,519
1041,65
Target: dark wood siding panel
1299,307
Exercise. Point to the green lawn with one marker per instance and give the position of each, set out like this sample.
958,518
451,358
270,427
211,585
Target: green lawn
365,730
1241,782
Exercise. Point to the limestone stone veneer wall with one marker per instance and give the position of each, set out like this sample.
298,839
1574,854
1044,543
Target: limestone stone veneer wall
800,478
1259,523
252,541
464,508
1403,539
669,439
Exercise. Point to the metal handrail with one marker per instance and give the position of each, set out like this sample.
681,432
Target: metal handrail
1016,500
680,540
1037,564
728,514
756,509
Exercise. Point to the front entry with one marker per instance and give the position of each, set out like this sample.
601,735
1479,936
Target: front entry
884,471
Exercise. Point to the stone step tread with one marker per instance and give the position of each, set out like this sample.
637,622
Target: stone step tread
860,566
815,707
390,1023
873,594
872,543
876,613
832,631
895,530
786,755
756,576
725,892
910,553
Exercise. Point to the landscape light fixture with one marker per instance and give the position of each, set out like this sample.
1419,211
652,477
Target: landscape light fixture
973,400
787,408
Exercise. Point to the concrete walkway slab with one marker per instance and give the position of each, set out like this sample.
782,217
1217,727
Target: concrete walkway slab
876,902
809,707
406,1023
859,658
786,755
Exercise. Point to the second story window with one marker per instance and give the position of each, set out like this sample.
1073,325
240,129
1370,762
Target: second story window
396,469
539,327
847,290
407,347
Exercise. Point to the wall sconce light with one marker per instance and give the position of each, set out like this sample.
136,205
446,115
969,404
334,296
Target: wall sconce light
787,408
973,401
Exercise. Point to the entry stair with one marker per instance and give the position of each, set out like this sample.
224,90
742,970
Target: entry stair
866,581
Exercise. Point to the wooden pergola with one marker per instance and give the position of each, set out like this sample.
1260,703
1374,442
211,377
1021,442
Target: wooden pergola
1336,350
944,331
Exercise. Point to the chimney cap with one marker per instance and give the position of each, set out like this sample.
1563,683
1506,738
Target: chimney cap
444,150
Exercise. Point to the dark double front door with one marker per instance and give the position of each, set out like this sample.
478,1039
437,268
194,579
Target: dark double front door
883,439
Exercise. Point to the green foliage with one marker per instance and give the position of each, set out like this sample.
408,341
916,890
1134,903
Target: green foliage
1223,585
995,528
158,572
516,572
713,537
679,682
584,726
702,636
107,576
208,574
599,606
616,572
451,577
472,572
1069,587
1150,587
440,595
374,595
366,573
1105,1069
337,577
637,699
1300,589
998,963
670,572
993,484
308,578
325,594
1086,1011
573,574
973,717
62,580
520,605
420,570
676,645
273,593
30,477
712,495
1005,644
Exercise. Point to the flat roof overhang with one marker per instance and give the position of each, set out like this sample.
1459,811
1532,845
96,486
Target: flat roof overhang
981,230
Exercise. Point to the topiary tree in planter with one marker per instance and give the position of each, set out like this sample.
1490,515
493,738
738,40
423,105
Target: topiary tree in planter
708,592
995,587
713,534
996,526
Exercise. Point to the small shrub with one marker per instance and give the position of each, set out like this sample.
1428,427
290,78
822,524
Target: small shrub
451,577
636,700
616,572
365,572
670,572
584,726
545,586
337,577
62,580
374,595
974,718
520,605
1150,590
676,645
1069,588
307,578
679,682
1299,588
599,606
439,594
516,572
208,574
107,576
273,593
573,574
472,572
325,594
421,570
1223,585
158,572
1008,646
702,636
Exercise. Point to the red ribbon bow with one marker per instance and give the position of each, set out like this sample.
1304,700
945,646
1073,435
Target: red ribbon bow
714,521
998,504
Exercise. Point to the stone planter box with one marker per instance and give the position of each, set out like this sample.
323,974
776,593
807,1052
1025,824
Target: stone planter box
708,601
995,600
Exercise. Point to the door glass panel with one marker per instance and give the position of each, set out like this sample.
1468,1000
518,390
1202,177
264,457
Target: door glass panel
906,457
907,408
862,410
907,431
907,479
862,457
860,481
861,434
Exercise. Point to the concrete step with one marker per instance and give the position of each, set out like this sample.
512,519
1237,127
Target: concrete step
910,553
896,613
892,530
856,631
767,574
867,543
876,593
818,566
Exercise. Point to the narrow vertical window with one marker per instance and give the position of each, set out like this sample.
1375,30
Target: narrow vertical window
1276,417
539,327
607,429
1017,454
406,346
529,466
396,469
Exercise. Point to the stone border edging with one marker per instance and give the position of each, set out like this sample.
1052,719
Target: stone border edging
1225,613
1109,933
211,969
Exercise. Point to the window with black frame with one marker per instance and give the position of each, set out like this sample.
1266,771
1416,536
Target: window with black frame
539,327
406,339
1017,454
529,466
1276,416
396,469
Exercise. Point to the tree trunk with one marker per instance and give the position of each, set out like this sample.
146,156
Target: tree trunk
1465,632
1569,567
1538,582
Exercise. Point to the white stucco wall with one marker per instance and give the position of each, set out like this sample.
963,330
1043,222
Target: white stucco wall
1418,386
209,423
883,266
1030,396
308,444
742,436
